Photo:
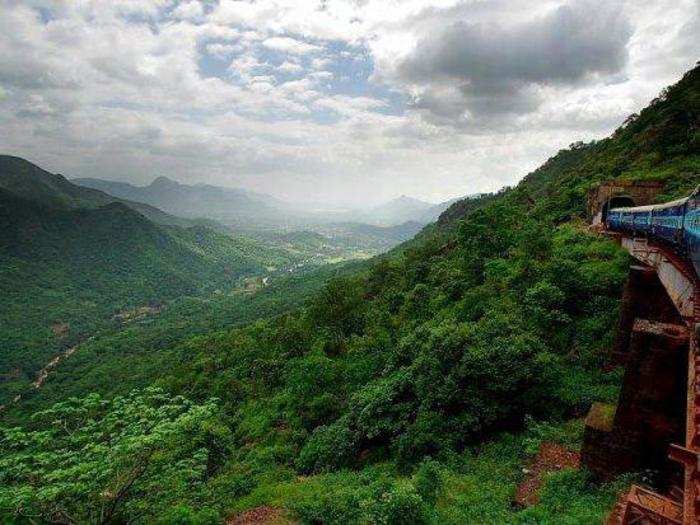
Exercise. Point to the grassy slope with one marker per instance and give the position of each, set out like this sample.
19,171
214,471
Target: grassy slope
118,358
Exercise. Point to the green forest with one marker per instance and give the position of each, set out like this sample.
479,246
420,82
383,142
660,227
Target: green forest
70,272
409,388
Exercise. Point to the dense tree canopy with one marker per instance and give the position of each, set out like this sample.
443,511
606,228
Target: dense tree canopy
93,460
408,391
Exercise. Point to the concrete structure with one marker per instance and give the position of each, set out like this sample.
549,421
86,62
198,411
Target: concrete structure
656,423
650,414
620,193
642,284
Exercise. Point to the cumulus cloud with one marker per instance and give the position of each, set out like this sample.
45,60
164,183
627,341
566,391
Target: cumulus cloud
321,75
220,50
350,106
289,45
191,10
290,67
328,100
321,63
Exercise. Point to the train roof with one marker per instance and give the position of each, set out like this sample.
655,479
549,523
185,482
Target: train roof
634,209
652,207
672,204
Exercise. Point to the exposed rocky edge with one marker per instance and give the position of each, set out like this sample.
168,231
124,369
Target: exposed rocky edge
264,515
135,314
44,373
551,457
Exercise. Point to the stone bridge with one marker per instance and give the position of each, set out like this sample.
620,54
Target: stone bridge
655,425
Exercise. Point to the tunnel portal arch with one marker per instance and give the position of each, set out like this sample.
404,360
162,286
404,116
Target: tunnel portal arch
619,193
619,201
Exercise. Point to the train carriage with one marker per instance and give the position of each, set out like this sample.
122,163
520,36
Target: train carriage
674,223
667,221
691,229
642,220
626,219
636,221
614,219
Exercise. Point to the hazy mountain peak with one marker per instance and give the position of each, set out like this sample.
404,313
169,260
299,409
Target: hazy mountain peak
164,182
30,182
405,199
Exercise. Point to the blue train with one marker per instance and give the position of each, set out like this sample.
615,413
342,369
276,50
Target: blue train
674,223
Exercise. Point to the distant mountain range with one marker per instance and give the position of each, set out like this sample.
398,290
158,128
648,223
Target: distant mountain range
230,206
246,209
45,219
73,258
403,209
28,181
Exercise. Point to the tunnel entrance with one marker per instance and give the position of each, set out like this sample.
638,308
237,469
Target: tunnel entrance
617,193
621,201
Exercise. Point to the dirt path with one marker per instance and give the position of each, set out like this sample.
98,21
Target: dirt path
551,457
264,515
44,372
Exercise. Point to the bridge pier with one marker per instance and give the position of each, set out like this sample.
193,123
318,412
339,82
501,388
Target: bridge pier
643,297
650,414
658,412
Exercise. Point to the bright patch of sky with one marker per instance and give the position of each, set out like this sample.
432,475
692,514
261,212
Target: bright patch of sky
342,101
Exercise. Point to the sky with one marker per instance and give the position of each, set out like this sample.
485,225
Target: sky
336,101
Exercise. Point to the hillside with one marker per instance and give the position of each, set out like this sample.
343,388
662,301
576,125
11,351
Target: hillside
503,310
417,388
24,179
66,271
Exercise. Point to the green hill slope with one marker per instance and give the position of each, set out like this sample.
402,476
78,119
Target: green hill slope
65,271
414,390
26,180
504,309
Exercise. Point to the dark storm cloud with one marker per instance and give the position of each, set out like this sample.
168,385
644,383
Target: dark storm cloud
494,66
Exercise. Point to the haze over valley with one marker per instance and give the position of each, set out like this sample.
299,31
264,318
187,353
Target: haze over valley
253,211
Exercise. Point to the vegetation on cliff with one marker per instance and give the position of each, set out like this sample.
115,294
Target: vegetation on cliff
411,390
67,272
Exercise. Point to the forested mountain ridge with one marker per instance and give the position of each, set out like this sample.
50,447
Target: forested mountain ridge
502,311
66,270
661,142
29,181
410,391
